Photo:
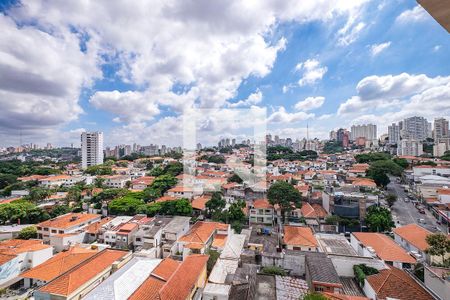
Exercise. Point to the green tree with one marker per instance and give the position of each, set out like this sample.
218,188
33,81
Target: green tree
38,194
379,219
439,245
283,194
213,256
159,186
235,178
379,176
180,207
314,296
22,210
7,179
391,199
332,220
104,169
126,205
27,233
74,194
98,182
401,162
174,169
216,204
156,171
59,210
273,270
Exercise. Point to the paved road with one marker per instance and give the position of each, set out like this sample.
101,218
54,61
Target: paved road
405,213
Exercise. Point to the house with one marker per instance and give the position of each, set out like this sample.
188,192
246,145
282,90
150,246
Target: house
53,181
56,266
261,212
176,228
371,244
181,191
174,280
321,274
8,232
65,224
149,236
299,238
200,237
141,183
17,256
80,280
394,283
412,238
199,203
116,181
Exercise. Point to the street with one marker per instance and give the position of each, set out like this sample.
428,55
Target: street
405,213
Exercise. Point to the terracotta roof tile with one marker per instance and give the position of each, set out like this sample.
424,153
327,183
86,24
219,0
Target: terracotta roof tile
395,283
14,247
68,220
384,246
201,232
414,234
59,264
308,211
70,281
299,236
261,204
320,211
148,290
200,202
219,241
165,269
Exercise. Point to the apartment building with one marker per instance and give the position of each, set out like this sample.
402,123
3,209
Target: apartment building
261,212
65,224
91,149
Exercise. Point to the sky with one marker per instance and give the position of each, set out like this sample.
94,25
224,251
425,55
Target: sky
140,71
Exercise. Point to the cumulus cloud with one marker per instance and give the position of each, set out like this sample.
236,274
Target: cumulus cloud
416,14
350,34
391,98
129,106
282,116
312,71
208,47
252,99
376,49
310,103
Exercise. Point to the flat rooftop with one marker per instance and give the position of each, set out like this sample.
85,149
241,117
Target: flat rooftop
335,244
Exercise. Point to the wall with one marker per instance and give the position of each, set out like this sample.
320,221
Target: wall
368,290
344,264
436,284
292,262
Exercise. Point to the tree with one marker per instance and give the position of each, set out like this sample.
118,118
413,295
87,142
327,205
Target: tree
174,169
98,182
126,205
22,210
273,270
156,171
159,186
402,162
216,204
439,245
379,176
104,169
332,220
179,207
391,199
379,219
7,179
38,194
235,178
27,233
59,210
74,194
283,194
314,296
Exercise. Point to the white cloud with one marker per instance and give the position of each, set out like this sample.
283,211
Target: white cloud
282,116
416,14
252,99
325,117
207,46
436,48
376,49
350,34
129,106
391,98
310,103
312,71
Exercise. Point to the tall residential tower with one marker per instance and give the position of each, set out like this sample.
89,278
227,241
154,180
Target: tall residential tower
91,149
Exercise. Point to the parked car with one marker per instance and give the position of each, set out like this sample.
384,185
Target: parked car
422,211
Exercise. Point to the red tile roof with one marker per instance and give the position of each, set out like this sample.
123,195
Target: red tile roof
414,234
59,264
384,246
165,269
201,232
14,247
70,281
299,236
200,202
68,220
262,204
395,283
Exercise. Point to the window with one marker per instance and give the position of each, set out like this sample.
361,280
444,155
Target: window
54,231
61,231
138,239
318,289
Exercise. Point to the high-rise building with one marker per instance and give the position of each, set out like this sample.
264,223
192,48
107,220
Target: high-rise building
333,135
416,128
91,149
394,134
369,132
440,129
410,147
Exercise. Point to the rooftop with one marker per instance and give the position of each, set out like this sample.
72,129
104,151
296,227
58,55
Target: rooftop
58,264
299,236
396,283
70,281
68,220
335,244
414,234
14,247
202,231
321,269
384,246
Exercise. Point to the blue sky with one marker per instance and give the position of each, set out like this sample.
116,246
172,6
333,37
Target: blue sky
131,71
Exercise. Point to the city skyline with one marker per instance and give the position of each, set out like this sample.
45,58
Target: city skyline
326,65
